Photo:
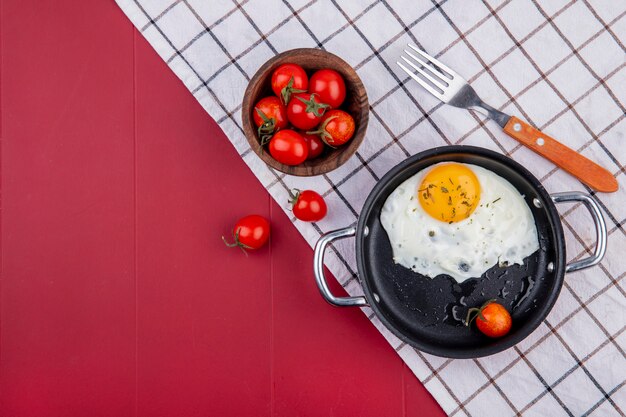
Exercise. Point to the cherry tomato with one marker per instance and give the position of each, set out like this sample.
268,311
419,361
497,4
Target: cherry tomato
270,115
330,86
308,206
336,129
288,79
492,319
305,111
288,147
314,143
250,232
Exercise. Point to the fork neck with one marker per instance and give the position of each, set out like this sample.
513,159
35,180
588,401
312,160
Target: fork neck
494,114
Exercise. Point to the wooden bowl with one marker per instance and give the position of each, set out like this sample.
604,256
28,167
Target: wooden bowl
356,104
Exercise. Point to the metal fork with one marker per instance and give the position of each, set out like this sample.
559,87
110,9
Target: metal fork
449,87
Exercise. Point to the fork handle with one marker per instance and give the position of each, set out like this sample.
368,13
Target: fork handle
566,158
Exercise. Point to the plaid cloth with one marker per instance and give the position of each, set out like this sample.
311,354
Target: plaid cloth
558,64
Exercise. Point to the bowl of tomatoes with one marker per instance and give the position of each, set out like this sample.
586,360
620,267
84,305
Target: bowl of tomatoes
305,112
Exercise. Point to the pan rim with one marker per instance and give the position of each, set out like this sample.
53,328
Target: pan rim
499,345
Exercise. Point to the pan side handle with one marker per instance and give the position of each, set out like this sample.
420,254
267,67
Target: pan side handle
598,220
318,269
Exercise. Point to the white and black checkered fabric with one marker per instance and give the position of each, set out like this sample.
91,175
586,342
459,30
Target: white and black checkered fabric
559,64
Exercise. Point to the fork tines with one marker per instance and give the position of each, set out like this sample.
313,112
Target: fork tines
431,74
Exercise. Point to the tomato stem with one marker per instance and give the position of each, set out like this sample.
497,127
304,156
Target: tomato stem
288,90
237,242
313,106
266,130
478,312
322,133
293,197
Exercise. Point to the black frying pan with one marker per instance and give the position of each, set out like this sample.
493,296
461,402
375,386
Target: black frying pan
428,313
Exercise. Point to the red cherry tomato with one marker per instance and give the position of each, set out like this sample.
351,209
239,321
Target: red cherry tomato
288,147
288,79
314,143
337,128
308,206
330,86
271,108
492,319
250,232
497,320
269,115
305,111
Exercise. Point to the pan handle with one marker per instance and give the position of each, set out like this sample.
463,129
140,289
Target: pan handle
318,269
598,220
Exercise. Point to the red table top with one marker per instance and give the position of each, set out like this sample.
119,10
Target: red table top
117,296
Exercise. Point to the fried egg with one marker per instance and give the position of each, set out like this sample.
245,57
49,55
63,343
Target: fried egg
459,220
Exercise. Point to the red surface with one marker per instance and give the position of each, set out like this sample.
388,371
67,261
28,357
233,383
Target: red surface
117,297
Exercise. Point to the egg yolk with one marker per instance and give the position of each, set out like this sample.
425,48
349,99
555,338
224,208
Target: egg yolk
449,192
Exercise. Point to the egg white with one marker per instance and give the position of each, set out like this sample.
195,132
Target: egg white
501,230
